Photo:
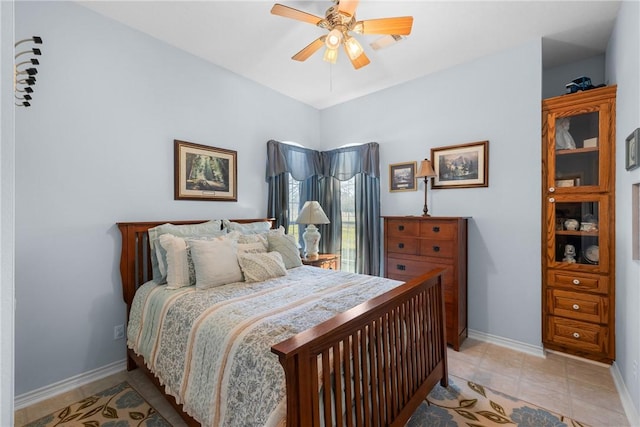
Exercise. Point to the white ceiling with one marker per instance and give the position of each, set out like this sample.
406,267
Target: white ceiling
244,37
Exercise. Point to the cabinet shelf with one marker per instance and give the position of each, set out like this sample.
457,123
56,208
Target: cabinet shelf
576,233
577,151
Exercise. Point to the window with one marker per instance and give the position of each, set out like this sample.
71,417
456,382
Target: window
294,206
348,204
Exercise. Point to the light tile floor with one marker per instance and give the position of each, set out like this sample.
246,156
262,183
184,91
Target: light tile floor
575,388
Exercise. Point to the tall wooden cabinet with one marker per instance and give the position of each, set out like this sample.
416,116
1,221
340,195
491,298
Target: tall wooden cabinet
414,245
578,218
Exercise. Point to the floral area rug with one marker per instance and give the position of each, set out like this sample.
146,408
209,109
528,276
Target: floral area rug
118,406
467,404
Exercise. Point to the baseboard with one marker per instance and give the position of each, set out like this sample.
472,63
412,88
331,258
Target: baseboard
35,396
627,402
508,343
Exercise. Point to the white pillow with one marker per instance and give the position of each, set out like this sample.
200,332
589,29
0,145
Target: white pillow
215,262
177,261
158,262
287,246
247,228
261,266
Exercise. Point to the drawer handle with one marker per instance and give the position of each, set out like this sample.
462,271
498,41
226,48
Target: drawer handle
576,335
436,229
576,281
436,249
401,267
576,307
401,227
401,245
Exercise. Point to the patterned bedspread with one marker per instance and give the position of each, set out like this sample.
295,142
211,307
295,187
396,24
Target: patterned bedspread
211,349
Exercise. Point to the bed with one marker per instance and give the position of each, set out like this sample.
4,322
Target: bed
367,354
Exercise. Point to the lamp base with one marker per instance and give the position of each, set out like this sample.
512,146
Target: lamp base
311,237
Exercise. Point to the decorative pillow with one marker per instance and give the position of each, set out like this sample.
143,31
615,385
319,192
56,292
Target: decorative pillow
287,246
177,261
261,266
215,262
247,228
158,256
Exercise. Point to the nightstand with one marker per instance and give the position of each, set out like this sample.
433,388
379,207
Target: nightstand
327,261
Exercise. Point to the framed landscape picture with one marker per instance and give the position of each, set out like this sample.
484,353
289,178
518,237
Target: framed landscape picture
402,177
461,166
204,173
632,150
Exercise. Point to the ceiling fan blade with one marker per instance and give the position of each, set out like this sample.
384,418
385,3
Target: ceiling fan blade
385,41
360,61
348,7
400,25
310,49
289,12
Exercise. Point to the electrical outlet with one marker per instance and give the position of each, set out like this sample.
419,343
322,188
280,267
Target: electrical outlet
118,332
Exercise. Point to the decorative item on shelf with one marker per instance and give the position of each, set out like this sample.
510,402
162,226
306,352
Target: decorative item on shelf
589,227
564,140
425,171
311,214
24,72
590,142
569,254
571,224
592,254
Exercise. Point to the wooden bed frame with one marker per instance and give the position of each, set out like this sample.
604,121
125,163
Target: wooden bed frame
393,347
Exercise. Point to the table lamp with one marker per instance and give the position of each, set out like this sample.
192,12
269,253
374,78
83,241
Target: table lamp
311,214
425,171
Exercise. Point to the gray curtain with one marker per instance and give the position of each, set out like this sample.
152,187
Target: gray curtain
363,163
282,160
331,241
367,224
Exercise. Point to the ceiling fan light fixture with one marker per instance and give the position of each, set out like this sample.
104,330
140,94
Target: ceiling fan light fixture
330,55
334,38
354,49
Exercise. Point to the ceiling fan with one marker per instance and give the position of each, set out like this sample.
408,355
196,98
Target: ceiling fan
340,21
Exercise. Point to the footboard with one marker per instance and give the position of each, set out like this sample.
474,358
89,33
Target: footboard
373,364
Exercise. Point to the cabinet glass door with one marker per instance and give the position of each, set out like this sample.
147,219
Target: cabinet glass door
577,146
577,233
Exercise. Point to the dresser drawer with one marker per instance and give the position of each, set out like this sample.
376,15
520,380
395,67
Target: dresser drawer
578,281
578,335
579,306
405,269
438,230
402,228
437,248
403,245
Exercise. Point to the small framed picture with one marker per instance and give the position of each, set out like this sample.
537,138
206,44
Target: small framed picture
402,177
204,173
461,166
632,150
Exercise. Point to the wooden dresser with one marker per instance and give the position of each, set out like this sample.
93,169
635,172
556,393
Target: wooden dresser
414,245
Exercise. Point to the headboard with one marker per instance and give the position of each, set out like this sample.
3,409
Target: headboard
135,257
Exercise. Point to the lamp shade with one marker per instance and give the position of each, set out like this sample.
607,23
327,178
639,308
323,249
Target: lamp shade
425,170
312,213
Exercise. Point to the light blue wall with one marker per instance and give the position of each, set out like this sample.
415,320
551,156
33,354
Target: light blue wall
95,148
554,79
7,166
481,100
623,69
